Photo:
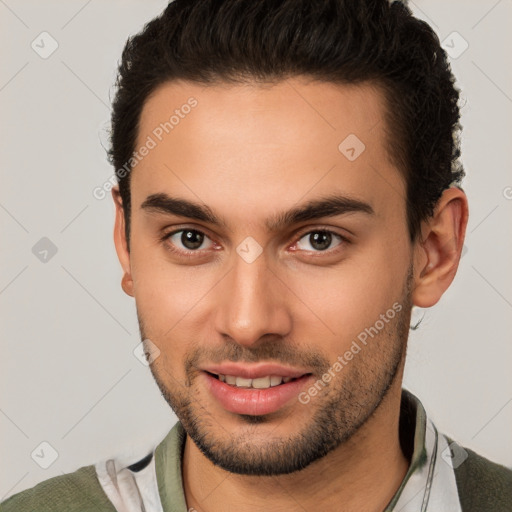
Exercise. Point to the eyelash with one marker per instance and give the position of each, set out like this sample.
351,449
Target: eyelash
181,253
192,254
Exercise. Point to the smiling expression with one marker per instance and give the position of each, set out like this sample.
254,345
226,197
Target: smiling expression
257,239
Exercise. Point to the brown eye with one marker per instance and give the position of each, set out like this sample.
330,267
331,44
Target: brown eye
191,239
187,239
320,240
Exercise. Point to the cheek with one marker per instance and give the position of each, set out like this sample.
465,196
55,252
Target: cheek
349,298
169,297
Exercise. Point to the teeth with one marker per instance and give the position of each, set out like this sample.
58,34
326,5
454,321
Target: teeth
275,380
259,383
243,383
230,379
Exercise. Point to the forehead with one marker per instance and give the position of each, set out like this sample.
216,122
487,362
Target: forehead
252,147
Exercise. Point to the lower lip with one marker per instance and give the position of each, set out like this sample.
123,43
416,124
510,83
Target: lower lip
252,401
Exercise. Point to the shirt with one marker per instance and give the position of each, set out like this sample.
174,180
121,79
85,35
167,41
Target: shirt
442,477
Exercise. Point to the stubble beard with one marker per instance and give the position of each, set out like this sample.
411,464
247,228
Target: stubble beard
340,410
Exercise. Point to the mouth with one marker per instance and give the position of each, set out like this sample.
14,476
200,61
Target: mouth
254,396
257,383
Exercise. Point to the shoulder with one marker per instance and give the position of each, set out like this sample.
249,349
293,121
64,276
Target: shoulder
482,484
79,491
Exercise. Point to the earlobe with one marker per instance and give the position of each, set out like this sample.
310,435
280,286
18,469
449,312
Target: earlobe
121,244
439,248
127,284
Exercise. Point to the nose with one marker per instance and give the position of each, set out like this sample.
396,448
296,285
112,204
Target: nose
251,303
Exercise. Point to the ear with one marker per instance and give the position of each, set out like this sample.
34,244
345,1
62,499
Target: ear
121,244
438,250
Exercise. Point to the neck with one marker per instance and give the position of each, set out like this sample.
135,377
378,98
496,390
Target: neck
362,474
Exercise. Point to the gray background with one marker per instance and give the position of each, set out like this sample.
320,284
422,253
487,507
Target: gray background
68,373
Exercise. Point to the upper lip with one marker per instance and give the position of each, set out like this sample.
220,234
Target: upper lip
254,371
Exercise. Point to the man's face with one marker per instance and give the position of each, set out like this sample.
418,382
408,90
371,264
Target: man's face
229,298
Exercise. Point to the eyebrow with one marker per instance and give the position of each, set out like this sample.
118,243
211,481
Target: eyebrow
330,206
